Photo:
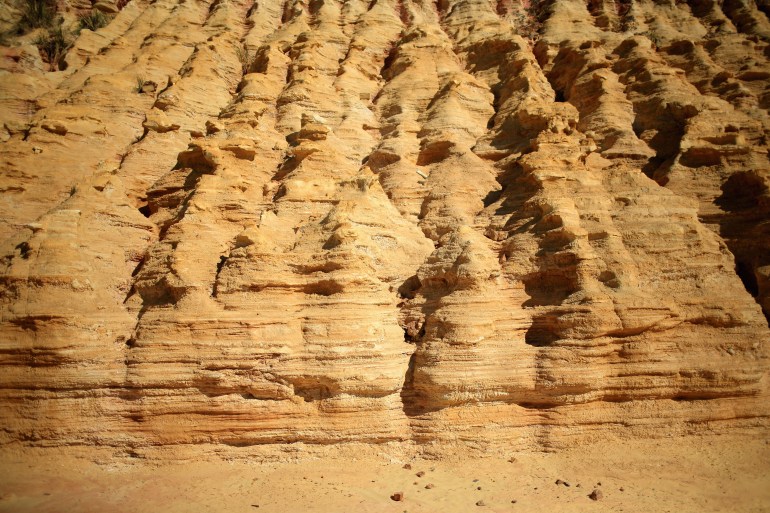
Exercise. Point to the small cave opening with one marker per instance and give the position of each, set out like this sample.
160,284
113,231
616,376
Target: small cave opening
539,336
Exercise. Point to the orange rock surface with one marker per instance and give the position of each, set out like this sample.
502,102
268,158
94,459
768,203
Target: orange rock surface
521,224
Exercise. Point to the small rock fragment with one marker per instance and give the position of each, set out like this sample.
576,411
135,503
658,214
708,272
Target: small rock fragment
429,486
596,495
213,127
157,121
408,466
420,473
398,496
481,503
55,127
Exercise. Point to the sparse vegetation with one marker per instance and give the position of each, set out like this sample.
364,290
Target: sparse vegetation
94,21
245,58
37,14
53,47
54,42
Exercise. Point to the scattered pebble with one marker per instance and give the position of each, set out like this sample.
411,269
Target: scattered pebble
475,480
398,496
621,489
560,482
478,488
596,495
420,473
513,501
408,466
481,503
429,486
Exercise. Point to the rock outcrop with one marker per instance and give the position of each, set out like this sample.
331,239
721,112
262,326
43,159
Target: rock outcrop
240,223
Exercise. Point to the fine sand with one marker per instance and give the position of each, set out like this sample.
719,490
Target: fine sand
711,474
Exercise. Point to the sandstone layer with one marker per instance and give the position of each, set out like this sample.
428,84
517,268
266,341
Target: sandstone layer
235,223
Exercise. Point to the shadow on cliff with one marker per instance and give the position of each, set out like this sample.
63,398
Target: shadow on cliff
552,275
746,231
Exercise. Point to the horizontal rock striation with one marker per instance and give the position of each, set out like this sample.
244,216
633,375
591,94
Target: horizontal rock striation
501,224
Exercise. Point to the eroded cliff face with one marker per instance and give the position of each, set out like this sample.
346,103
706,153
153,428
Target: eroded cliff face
235,223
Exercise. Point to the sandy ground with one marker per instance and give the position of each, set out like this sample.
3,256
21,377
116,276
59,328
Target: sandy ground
676,475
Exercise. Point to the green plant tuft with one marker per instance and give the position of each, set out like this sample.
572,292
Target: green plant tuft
94,21
140,81
53,47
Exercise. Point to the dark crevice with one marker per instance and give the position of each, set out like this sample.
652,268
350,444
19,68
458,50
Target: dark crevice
314,6
24,249
388,62
414,332
746,274
220,266
403,13
536,406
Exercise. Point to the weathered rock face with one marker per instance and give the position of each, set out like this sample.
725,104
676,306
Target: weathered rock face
242,223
